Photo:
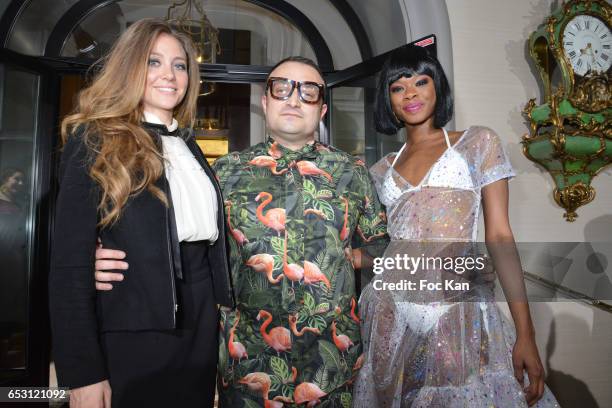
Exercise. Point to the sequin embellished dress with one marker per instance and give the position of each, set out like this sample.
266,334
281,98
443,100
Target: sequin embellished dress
437,348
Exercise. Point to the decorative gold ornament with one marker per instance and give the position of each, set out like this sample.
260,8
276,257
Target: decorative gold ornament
592,94
570,134
189,17
572,197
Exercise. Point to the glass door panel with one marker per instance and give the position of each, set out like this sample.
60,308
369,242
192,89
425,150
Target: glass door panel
230,119
19,91
352,124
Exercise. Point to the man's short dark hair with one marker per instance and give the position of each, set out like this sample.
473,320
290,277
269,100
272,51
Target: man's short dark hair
9,172
301,60
408,62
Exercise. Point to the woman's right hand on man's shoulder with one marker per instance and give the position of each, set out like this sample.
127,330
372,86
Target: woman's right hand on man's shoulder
109,260
96,395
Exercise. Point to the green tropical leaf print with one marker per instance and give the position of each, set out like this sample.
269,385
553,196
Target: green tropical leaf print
310,188
321,377
322,308
287,390
256,230
259,300
308,199
309,302
251,404
323,194
326,262
318,322
302,316
257,349
278,262
279,367
276,383
366,224
319,258
332,239
258,282
223,353
278,244
326,208
346,400
259,173
244,215
329,354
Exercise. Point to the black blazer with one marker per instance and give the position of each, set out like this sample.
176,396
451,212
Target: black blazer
146,298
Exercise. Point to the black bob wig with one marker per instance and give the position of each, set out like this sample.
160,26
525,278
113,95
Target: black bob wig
408,62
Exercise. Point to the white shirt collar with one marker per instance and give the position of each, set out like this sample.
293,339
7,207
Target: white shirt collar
153,118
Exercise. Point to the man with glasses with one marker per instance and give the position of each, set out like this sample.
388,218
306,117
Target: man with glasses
296,209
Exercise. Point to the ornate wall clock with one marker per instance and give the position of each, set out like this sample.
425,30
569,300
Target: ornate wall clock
570,132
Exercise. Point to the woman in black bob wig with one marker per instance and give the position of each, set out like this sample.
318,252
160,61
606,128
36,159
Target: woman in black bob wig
408,62
440,343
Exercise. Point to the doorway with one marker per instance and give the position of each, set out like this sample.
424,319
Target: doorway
42,90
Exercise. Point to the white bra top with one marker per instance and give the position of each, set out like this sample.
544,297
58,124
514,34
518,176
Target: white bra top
450,170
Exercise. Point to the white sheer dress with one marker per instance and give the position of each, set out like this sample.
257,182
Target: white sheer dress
438,348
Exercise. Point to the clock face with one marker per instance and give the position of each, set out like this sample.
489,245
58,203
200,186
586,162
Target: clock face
587,43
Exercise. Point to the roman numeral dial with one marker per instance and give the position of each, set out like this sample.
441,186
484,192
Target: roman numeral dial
586,42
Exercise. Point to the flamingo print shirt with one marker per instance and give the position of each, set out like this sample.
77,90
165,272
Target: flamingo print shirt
294,217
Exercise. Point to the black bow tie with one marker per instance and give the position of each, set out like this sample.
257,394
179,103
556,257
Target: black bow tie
176,132
162,130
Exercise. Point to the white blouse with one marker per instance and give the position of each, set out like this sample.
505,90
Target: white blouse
193,195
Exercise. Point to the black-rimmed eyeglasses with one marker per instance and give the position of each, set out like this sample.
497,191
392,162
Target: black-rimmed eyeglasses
282,89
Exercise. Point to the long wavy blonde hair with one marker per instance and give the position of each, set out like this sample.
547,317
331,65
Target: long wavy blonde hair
125,158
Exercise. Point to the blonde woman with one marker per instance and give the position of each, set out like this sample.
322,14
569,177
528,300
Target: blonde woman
132,174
